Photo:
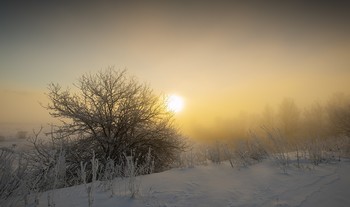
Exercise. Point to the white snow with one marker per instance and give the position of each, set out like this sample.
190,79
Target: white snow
262,184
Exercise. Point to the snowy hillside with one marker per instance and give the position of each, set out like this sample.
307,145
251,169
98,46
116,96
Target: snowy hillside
262,184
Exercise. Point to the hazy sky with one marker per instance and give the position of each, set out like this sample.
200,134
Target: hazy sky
223,58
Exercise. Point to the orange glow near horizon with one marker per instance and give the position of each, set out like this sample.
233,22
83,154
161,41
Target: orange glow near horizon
226,59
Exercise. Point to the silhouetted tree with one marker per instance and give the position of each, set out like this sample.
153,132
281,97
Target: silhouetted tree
110,113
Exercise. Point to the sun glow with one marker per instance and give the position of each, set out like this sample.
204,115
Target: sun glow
175,103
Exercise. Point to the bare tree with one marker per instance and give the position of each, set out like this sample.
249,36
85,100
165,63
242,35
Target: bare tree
289,117
111,113
339,114
315,122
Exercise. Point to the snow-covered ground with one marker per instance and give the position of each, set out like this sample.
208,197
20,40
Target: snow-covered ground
262,184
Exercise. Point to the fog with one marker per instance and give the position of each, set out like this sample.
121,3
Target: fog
228,60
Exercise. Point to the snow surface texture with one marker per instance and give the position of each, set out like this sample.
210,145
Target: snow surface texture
261,184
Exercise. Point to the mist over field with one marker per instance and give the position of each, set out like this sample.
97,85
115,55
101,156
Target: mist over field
224,58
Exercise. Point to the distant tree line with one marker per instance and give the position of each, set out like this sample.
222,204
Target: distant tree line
330,119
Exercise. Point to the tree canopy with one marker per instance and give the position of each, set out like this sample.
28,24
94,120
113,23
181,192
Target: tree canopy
113,114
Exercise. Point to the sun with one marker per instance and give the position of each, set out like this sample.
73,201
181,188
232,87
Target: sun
175,103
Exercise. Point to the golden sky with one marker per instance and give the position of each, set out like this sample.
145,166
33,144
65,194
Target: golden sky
223,58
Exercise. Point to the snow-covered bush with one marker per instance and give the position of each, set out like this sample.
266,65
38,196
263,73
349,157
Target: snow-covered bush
90,188
315,149
187,159
244,152
215,153
194,153
149,163
239,155
343,146
13,172
324,150
131,172
108,174
279,149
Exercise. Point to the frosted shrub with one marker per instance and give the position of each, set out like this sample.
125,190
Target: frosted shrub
256,148
315,151
90,188
343,146
131,171
279,149
244,152
215,153
195,154
185,159
58,176
327,150
111,174
149,163
241,155
108,175
60,169
337,147
12,176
